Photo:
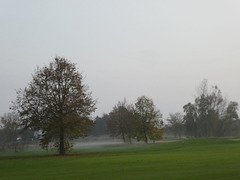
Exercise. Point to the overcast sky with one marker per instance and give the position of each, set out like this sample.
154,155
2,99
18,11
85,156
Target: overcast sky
127,48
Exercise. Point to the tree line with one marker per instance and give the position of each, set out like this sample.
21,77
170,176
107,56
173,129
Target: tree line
210,115
58,104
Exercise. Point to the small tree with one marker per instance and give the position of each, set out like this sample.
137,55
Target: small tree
147,117
56,102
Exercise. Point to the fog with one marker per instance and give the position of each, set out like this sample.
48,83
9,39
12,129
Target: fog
93,142
90,144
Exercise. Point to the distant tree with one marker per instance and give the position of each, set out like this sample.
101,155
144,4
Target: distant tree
229,125
175,123
121,122
210,115
56,102
1,126
190,120
10,127
9,131
100,126
231,111
2,143
209,106
148,118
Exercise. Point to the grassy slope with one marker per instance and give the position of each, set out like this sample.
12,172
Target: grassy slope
197,159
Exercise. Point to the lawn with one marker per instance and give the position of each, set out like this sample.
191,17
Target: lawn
196,159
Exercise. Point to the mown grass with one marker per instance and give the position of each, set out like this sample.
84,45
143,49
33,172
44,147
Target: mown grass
196,159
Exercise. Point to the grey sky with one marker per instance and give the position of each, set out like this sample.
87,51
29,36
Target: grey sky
125,48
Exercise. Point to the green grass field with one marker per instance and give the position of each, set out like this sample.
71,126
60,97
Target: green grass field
197,159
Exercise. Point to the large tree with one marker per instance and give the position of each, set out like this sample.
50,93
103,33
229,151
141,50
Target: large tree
56,102
148,120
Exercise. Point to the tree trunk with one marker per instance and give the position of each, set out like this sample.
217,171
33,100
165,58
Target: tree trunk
145,137
123,137
61,145
130,140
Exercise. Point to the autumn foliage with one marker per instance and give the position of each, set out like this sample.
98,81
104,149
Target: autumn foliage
57,103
